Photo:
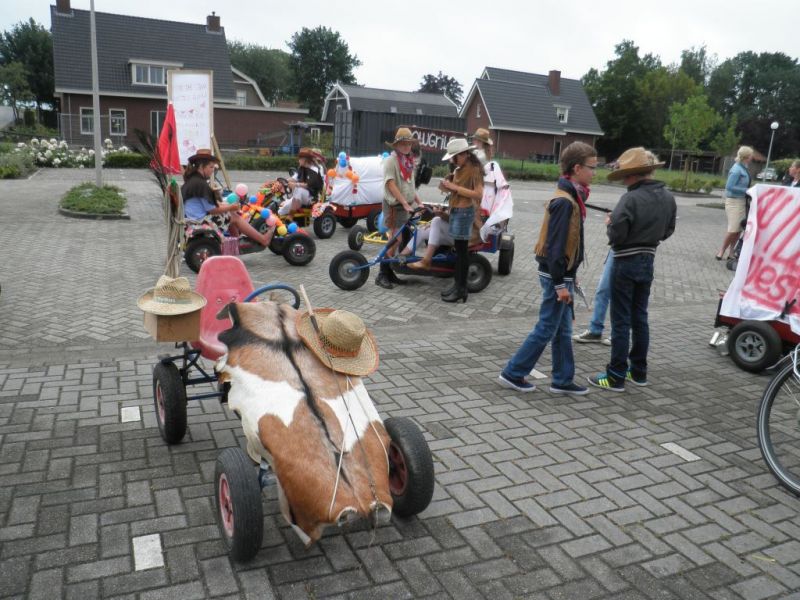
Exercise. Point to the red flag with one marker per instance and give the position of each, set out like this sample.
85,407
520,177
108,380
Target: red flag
167,148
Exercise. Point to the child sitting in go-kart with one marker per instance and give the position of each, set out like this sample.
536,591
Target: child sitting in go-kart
201,204
305,185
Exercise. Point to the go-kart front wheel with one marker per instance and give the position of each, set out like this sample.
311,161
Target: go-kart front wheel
410,467
298,249
237,497
345,272
169,396
479,274
324,226
198,250
355,239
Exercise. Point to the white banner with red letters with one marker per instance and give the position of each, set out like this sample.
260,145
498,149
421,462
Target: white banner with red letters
768,273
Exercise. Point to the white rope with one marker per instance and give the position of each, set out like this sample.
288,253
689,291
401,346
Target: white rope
372,424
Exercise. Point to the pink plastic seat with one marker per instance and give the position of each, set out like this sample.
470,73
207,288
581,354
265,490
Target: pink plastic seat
221,280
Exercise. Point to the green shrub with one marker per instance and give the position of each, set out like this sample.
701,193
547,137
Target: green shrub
88,198
245,162
126,160
782,166
29,117
14,165
6,147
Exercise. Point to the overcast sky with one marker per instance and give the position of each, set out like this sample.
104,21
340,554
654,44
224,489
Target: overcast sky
398,41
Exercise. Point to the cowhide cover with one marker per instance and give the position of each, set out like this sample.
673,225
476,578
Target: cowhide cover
294,412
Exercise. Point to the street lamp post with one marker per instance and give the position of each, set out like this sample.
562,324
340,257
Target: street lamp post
773,126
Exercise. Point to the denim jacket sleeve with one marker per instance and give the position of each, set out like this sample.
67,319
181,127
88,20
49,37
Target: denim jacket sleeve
738,182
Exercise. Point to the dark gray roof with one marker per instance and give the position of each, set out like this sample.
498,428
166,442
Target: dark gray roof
378,100
517,100
121,38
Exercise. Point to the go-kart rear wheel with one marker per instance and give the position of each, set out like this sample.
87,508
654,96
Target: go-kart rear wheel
506,260
169,396
324,226
298,249
754,345
479,274
198,250
372,219
344,271
355,239
347,222
410,467
238,502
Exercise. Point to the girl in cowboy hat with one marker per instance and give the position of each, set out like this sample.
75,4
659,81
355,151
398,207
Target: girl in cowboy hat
306,184
200,203
399,196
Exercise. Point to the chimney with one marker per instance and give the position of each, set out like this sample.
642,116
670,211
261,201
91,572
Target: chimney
554,82
63,7
212,22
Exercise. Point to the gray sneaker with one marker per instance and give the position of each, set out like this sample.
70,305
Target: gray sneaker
587,337
606,341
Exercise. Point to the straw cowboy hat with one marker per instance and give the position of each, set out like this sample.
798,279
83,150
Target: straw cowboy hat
483,135
203,155
171,297
403,135
344,342
634,161
456,146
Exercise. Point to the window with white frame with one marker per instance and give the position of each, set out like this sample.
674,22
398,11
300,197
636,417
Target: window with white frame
241,97
87,121
478,111
144,74
157,121
393,109
118,121
419,111
562,113
314,133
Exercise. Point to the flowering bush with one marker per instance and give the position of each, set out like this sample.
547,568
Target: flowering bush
55,153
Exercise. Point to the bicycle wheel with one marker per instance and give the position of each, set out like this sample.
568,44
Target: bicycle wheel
778,427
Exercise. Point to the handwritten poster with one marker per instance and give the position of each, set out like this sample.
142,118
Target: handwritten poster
768,273
191,94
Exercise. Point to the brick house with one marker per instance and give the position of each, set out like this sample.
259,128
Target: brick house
530,116
134,55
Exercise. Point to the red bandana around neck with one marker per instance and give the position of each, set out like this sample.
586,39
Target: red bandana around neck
406,164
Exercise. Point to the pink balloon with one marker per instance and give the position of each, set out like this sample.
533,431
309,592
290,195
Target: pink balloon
271,220
241,190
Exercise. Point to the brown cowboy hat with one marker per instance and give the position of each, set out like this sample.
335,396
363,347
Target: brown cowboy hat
344,343
483,135
203,155
306,153
634,161
403,134
171,297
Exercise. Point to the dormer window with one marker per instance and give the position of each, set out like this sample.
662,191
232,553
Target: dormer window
478,111
151,73
562,113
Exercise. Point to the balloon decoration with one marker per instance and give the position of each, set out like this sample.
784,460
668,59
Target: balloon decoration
232,198
241,190
291,228
343,170
385,154
282,230
253,199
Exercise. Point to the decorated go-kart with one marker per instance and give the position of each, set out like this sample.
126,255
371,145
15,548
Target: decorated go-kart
349,269
308,420
761,307
204,240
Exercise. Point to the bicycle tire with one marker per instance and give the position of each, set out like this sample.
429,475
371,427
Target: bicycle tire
781,400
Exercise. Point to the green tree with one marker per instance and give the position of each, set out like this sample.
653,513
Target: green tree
319,58
697,64
659,89
690,123
268,67
32,45
726,139
14,86
442,84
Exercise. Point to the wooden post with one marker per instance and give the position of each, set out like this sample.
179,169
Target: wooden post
218,154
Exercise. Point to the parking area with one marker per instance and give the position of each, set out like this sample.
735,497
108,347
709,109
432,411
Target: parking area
537,496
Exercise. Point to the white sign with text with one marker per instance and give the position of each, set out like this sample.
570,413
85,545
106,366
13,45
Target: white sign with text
191,94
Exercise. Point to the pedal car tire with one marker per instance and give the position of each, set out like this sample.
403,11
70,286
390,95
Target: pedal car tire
506,260
347,222
198,250
276,244
341,273
324,226
479,274
237,498
411,478
372,219
754,345
355,238
169,397
298,249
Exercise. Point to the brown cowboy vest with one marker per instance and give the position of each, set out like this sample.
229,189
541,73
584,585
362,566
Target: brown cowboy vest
574,235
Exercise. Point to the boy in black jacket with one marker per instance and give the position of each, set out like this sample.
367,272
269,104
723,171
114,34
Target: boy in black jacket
644,217
559,251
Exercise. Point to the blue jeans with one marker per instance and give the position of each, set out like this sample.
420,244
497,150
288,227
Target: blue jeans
555,325
630,292
602,296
